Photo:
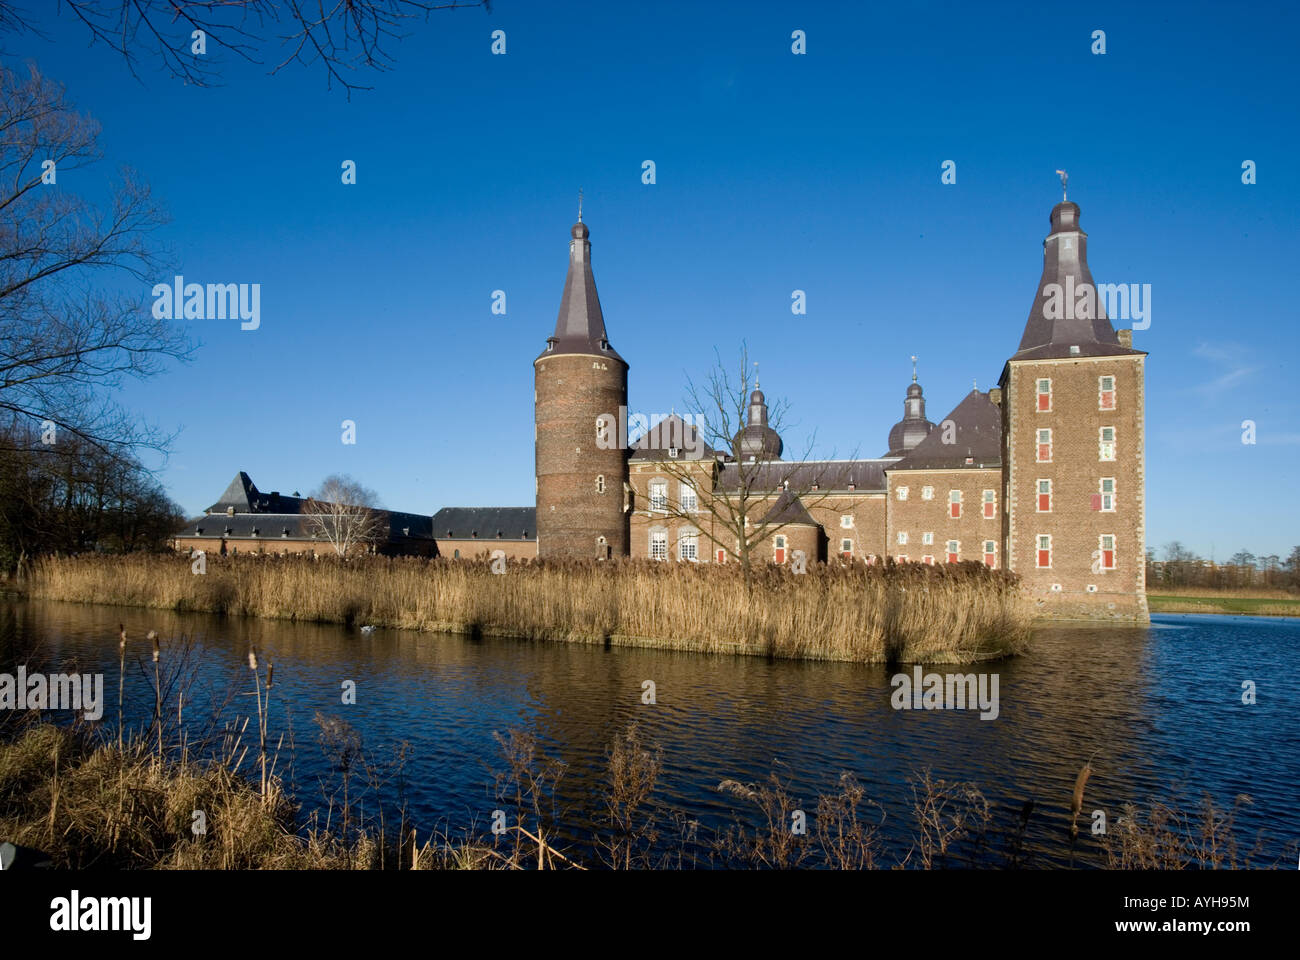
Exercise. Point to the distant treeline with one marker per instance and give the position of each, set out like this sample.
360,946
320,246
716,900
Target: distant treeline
1181,567
71,496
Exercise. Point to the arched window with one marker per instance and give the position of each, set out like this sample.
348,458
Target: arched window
600,483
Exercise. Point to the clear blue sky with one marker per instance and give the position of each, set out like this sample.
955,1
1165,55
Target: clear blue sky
775,172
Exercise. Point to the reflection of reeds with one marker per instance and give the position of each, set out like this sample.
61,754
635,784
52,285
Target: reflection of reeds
912,612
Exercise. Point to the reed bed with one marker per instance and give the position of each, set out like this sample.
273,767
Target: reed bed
879,613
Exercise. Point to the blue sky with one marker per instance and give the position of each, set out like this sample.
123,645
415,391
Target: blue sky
775,172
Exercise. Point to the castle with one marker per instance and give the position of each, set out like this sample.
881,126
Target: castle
1042,475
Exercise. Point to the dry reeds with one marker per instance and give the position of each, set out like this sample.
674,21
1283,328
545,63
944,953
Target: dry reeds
877,613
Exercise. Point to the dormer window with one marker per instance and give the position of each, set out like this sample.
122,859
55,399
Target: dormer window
672,452
406,531
498,534
474,534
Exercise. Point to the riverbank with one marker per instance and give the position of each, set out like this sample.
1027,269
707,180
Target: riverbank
1252,603
866,614
76,800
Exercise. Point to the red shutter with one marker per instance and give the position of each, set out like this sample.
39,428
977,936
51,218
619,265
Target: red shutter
988,511
990,559
1108,559
722,556
952,558
1044,401
1044,502
1044,558
780,554
954,510
1044,452
1096,501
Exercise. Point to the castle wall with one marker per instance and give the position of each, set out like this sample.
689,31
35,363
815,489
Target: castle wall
1076,584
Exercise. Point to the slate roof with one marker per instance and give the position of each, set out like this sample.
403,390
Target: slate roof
580,326
976,435
1065,262
788,509
485,523
867,476
272,514
671,431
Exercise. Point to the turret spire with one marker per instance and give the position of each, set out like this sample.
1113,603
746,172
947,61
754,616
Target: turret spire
580,326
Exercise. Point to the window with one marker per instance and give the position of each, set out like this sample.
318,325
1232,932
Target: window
688,546
1044,550
927,493
990,504
954,504
690,502
1045,445
1044,395
1106,546
954,550
928,559
927,539
600,483
902,538
1106,443
902,493
901,558
1106,498
1044,496
990,553
846,522
602,432
672,452
658,544
658,494
846,549
778,551
1105,393
721,555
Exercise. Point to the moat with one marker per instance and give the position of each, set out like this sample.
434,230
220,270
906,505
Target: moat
1157,709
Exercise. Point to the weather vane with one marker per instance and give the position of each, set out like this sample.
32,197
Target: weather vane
1065,183
580,204
914,368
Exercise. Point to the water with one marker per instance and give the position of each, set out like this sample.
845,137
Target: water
1157,709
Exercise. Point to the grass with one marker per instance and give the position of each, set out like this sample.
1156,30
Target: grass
1223,602
879,613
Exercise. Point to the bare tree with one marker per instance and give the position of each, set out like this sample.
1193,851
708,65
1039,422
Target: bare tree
64,341
343,35
345,514
746,495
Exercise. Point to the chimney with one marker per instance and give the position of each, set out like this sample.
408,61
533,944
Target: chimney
995,396
1125,338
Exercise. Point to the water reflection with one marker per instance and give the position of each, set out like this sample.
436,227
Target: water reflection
1153,708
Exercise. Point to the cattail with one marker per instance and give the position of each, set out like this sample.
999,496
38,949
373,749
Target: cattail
1076,805
153,635
121,638
252,659
270,669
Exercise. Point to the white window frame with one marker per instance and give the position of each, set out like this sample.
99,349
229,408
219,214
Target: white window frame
600,483
1101,489
927,539
660,503
1039,491
1101,551
846,521
846,549
688,545
659,538
984,555
927,493
1106,448
901,492
1038,546
1039,443
902,538
1102,391
690,499
948,550
1040,392
955,497
989,497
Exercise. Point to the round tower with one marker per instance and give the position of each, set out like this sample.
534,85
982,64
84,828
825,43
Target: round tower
581,415
914,427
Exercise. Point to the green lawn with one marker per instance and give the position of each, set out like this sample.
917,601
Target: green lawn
1276,608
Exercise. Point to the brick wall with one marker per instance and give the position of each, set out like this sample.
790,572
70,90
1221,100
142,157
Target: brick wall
917,516
572,390
1074,524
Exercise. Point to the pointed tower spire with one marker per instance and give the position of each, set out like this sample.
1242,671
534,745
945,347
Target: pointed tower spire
1067,318
580,327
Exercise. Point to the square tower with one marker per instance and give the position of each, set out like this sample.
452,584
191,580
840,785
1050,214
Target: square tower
1073,442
